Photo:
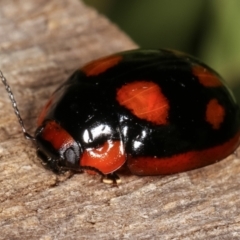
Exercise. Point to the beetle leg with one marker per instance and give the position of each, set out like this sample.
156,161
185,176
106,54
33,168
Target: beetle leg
111,178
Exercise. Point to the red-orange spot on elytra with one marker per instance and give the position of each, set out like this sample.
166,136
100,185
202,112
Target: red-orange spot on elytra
215,113
107,158
182,162
205,77
101,65
56,135
145,100
43,113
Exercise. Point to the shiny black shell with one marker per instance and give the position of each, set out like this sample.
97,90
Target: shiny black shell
88,101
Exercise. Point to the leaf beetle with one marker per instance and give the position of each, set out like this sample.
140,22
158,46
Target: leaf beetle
155,112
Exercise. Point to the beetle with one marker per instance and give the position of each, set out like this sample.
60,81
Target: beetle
155,112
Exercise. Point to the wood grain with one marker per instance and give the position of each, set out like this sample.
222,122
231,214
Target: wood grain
41,43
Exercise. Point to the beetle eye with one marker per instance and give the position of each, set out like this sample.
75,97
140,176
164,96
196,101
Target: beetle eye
71,158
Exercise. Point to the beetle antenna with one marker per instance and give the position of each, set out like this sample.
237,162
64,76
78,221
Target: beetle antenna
15,108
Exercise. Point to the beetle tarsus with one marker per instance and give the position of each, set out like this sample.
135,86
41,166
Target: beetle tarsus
111,178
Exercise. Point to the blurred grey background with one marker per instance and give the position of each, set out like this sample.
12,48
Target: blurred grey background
209,30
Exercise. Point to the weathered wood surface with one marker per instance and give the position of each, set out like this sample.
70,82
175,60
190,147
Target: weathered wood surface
41,43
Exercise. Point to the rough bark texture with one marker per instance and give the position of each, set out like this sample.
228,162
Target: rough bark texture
41,43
